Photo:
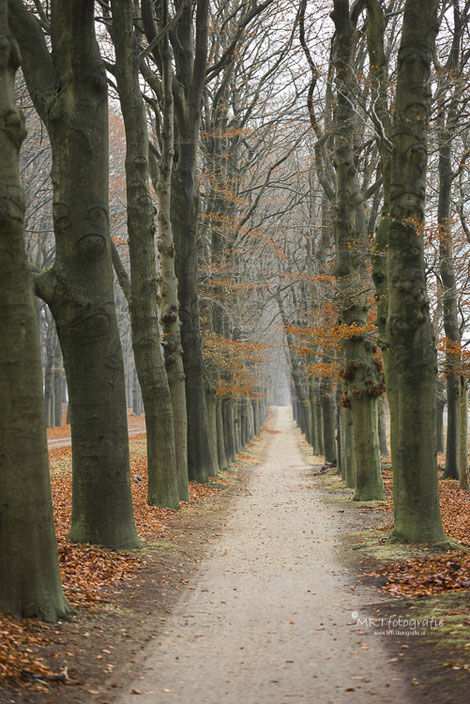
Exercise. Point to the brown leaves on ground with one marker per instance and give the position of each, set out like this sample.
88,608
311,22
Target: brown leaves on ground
87,571
434,574
428,576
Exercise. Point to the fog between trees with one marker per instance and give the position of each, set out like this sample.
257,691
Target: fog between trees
281,192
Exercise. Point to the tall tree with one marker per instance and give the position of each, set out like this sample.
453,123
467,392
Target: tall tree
382,122
409,328
189,45
363,382
161,168
449,99
163,487
29,569
69,89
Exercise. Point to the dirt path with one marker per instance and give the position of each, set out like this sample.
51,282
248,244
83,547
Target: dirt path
271,619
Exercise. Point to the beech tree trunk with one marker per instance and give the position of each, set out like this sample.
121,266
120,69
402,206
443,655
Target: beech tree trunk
447,119
163,487
328,407
440,405
409,327
229,429
190,53
222,457
383,447
79,287
363,383
29,569
463,438
161,168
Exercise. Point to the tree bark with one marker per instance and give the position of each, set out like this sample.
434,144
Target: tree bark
161,456
222,458
69,90
383,126
360,373
447,118
440,405
190,57
169,306
383,447
229,429
463,439
29,569
328,407
409,327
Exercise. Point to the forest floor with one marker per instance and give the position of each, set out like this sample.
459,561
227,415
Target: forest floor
60,437
270,586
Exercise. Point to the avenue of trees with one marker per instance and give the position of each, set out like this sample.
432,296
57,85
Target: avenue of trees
217,205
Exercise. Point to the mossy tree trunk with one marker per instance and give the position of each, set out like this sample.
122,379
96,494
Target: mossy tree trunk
328,406
447,120
29,569
69,89
440,405
229,429
161,167
190,52
163,489
360,372
463,429
383,446
409,327
222,457
383,127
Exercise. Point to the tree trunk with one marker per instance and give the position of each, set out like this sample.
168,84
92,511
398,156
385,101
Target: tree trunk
48,385
57,379
184,221
380,88
211,402
169,306
348,456
463,439
79,287
229,429
190,52
363,383
368,483
222,458
409,327
383,447
328,407
29,569
440,405
161,457
316,417
449,287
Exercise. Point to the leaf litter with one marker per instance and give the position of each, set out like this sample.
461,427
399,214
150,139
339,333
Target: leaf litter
87,571
432,573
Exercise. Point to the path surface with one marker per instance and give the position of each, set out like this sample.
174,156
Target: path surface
270,619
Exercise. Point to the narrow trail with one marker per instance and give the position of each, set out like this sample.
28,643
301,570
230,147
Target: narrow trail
270,620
